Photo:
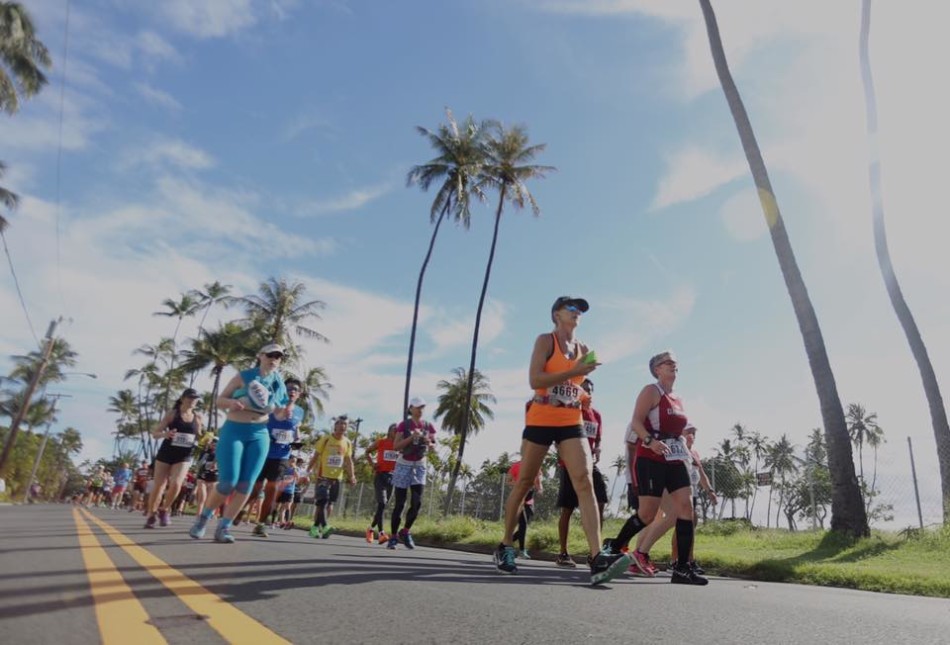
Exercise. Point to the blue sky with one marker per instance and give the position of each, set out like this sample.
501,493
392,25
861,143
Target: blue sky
240,139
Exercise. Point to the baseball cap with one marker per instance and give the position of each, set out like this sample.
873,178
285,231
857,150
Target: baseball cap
190,393
272,347
417,402
565,301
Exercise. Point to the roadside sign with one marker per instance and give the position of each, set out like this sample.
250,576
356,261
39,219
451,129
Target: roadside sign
763,479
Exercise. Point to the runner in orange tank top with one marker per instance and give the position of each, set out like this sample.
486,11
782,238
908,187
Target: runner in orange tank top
559,363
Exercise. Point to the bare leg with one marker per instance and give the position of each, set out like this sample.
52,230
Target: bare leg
532,456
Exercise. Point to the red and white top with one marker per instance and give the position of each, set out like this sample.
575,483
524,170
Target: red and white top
665,422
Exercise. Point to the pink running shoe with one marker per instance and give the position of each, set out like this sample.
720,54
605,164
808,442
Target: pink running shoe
642,564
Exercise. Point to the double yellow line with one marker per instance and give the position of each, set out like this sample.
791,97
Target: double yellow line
121,616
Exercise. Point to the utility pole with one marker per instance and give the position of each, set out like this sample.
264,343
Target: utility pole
30,388
39,453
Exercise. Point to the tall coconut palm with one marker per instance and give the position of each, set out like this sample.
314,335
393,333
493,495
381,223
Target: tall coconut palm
230,344
938,413
460,158
279,308
782,462
317,386
508,170
187,306
847,509
463,409
61,356
213,293
863,429
23,57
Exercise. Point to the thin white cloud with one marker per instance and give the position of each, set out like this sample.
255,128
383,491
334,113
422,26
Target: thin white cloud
158,97
743,217
694,172
37,125
303,122
155,48
208,19
352,200
175,153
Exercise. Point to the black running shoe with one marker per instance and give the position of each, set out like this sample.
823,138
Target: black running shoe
696,568
504,558
684,575
606,566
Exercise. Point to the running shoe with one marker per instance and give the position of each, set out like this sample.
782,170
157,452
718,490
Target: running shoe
383,537
643,564
150,522
197,529
370,535
315,531
406,538
163,518
504,559
684,575
524,554
565,560
696,568
393,543
606,566
223,535
260,531
327,532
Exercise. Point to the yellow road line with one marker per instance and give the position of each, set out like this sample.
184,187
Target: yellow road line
233,624
120,615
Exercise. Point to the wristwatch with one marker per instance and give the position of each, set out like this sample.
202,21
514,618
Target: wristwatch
648,440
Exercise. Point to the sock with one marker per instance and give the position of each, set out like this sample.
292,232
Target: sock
684,541
206,514
631,527
224,523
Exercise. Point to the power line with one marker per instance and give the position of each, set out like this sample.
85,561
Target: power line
16,283
59,156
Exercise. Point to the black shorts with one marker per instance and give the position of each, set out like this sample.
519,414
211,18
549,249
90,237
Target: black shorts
546,435
296,497
169,454
139,488
285,497
210,476
273,470
653,477
328,490
566,495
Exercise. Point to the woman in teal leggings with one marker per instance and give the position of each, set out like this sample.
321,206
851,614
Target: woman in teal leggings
243,440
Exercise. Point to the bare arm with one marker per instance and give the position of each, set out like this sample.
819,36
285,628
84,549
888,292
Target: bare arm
538,379
348,462
161,431
225,401
402,441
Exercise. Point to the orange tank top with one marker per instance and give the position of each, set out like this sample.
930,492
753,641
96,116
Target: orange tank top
558,405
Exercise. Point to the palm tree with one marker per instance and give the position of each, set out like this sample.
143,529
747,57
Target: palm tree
847,507
458,164
230,344
507,170
61,356
187,306
781,461
278,308
317,386
620,465
938,413
214,293
863,429
759,446
22,56
463,407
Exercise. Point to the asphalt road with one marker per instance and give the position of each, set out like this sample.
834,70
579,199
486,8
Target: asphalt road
77,577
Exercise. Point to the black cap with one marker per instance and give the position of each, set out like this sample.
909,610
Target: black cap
190,393
565,301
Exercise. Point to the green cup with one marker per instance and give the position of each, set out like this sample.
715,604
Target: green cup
590,357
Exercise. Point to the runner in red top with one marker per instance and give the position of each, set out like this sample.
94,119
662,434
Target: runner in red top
659,420
383,465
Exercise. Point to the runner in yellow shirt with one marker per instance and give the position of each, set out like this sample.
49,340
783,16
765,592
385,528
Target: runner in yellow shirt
334,454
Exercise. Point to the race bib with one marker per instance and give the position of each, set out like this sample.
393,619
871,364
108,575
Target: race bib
590,429
284,437
183,440
334,461
390,455
678,451
694,476
565,394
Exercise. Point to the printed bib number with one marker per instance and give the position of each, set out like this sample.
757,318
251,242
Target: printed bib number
334,461
590,429
564,394
678,451
390,455
694,476
284,437
183,440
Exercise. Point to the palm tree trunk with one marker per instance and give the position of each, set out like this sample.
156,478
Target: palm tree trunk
467,410
938,413
847,508
415,310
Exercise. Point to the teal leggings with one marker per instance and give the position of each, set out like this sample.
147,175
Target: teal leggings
241,452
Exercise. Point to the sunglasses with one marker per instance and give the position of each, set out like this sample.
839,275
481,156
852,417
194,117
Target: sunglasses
274,355
572,309
291,390
673,363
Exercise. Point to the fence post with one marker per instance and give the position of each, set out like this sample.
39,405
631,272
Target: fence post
359,500
913,472
501,499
